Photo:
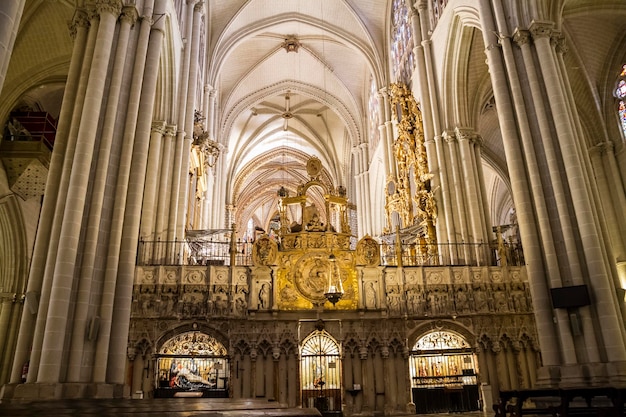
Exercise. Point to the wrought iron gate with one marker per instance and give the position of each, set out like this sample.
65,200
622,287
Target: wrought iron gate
320,372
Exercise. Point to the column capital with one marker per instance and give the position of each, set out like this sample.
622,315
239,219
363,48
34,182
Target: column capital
412,13
170,130
158,126
541,29
111,6
492,46
603,147
199,7
384,352
559,42
422,6
92,14
129,14
464,133
80,20
521,37
449,136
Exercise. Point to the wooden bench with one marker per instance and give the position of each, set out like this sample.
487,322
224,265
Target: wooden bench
562,402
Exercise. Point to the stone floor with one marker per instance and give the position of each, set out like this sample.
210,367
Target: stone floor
176,407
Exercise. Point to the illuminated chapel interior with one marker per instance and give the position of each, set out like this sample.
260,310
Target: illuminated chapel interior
372,207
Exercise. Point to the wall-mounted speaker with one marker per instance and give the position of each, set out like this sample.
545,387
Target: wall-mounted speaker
570,297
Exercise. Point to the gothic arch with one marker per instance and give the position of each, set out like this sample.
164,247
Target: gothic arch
13,277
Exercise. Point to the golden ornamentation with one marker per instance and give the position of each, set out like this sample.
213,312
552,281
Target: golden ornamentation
367,252
264,251
409,193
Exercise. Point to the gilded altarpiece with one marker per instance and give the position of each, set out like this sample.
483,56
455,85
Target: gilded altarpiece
409,193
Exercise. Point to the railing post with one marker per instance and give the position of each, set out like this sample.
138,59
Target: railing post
398,247
233,246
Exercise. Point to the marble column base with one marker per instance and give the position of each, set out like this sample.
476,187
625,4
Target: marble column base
617,374
548,377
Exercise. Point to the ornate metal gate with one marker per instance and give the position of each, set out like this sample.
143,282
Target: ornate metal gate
320,372
444,374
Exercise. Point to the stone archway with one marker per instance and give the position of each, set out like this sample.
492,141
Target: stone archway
444,373
192,364
320,372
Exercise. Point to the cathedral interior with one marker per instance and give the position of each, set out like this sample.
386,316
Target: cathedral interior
367,207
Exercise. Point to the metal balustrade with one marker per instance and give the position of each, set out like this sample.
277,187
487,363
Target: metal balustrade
223,252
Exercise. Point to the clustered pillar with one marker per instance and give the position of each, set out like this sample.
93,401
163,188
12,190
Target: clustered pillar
81,278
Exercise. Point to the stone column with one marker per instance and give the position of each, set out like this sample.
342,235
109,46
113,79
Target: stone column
426,106
219,195
599,272
6,309
88,286
64,271
436,153
10,15
410,406
165,172
119,310
66,152
155,166
276,369
253,363
390,387
178,176
369,228
474,203
458,199
365,382
358,176
603,162
522,39
483,377
190,103
36,275
521,194
387,139
122,186
480,178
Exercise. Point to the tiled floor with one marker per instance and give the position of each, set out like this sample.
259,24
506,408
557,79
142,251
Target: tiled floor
177,407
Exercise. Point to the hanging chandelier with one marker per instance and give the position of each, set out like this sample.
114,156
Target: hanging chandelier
334,290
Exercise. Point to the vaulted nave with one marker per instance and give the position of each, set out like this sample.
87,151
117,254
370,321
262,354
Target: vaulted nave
364,207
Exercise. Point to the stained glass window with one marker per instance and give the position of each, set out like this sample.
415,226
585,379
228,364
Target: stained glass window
374,116
437,10
402,58
620,93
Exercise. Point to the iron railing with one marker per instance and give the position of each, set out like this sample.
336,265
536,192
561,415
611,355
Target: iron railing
223,252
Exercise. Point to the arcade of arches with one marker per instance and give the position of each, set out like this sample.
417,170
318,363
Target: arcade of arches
368,207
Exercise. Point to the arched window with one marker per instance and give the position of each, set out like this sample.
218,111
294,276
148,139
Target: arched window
620,93
374,116
402,59
443,374
192,361
320,372
437,10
